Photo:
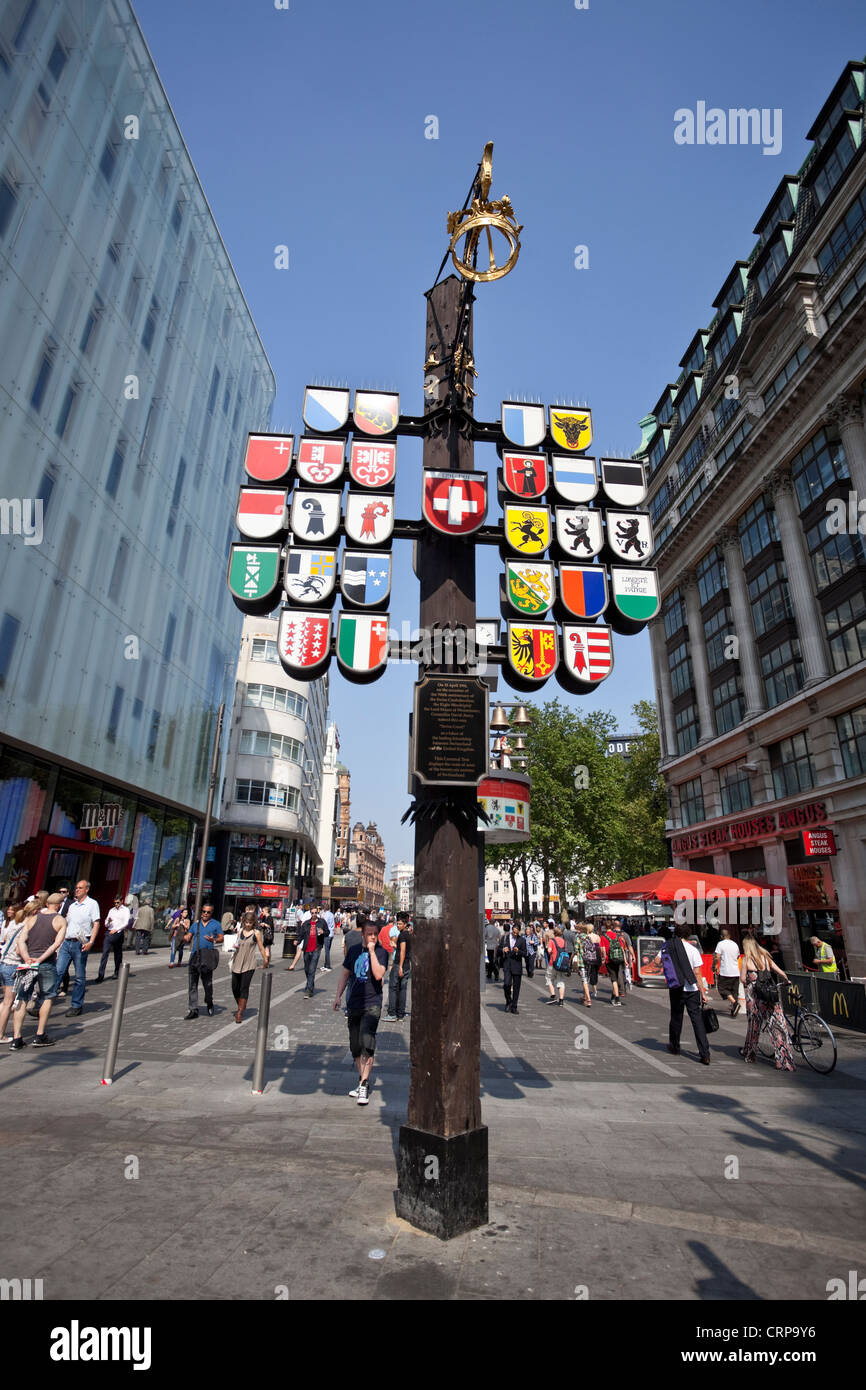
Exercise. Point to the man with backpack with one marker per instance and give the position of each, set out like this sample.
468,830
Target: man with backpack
558,966
681,962
615,952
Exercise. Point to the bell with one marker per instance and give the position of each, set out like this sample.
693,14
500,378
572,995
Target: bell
500,718
520,743
519,717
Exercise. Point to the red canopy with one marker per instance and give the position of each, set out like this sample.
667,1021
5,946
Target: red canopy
663,885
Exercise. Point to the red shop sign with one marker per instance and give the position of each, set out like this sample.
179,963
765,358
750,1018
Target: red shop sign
820,844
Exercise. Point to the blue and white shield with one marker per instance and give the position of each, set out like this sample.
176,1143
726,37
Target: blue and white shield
325,408
365,577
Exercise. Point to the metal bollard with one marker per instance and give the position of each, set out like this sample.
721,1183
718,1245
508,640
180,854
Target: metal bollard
262,1032
116,1020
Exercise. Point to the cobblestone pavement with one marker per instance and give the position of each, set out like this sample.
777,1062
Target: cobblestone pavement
616,1169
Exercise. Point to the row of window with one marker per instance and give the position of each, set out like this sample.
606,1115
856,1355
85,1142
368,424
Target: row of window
263,744
791,765
273,697
252,793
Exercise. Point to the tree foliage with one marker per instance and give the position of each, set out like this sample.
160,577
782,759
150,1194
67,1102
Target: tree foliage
595,816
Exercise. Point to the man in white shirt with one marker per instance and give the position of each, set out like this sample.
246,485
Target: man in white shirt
116,922
687,989
330,922
726,962
82,926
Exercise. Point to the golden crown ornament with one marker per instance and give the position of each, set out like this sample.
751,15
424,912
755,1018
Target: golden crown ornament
488,217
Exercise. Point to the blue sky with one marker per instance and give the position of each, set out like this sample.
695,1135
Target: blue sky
307,128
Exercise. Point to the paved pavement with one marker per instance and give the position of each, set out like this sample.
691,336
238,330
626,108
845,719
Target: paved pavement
616,1170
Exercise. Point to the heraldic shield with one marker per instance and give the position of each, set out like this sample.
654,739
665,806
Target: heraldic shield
362,645
454,503
321,461
629,536
587,656
624,482
370,517
533,653
578,532
523,425
527,528
635,594
372,465
310,576
365,577
269,457
254,577
574,478
304,643
583,590
325,408
571,429
315,515
261,513
376,412
529,586
525,475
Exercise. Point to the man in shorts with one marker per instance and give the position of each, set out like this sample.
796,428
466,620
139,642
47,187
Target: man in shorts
363,971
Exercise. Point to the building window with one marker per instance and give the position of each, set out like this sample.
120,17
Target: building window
734,294
43,375
687,730
9,629
692,496
67,408
133,295
687,402
723,411
834,166
691,457
112,482
152,736
108,161
791,763
771,265
849,292
46,486
657,452
851,732
252,793
845,626
264,650
724,341
267,745
674,613
8,202
691,802
758,528
770,598
272,697
681,670
170,629
724,455
24,25
214,387
790,369
833,556
844,237
88,332
177,216
782,671
817,468
717,630
176,496
728,704
735,785
114,716
118,570
712,578
150,324
850,100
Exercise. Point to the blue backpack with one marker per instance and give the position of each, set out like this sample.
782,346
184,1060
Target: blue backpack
672,979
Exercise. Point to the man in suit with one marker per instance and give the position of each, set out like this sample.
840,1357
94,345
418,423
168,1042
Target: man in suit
512,949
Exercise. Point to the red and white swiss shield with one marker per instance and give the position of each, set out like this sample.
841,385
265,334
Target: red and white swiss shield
303,639
455,503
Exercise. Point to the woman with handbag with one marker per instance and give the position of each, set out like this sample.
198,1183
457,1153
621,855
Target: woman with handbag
244,960
681,962
763,1002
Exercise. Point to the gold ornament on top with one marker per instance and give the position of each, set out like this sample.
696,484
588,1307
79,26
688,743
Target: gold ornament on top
488,217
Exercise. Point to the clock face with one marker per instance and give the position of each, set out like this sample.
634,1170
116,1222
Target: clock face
486,634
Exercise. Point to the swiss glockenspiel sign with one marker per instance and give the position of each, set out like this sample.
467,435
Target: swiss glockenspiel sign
573,538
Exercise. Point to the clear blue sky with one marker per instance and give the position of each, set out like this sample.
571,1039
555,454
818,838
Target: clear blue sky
307,127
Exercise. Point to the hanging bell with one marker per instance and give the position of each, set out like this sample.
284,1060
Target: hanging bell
519,717
500,718
520,743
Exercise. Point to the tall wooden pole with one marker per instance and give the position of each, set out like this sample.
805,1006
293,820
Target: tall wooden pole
442,1159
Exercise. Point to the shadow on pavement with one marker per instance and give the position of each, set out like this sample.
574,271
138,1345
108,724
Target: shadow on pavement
722,1283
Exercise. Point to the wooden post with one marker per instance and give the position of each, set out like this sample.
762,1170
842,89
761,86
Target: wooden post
442,1158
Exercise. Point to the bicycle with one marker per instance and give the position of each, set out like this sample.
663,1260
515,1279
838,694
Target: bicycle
810,1035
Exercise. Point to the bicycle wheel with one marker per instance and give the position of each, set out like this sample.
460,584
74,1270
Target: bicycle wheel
816,1043
765,1043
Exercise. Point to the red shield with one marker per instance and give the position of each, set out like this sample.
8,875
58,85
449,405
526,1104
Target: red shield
525,475
455,503
269,457
373,465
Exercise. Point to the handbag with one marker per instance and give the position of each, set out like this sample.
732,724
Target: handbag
711,1019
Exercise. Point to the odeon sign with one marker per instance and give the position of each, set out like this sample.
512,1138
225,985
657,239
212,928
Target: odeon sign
755,828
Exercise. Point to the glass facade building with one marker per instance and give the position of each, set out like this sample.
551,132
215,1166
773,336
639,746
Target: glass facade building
131,371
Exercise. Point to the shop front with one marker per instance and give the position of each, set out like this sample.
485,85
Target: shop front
57,827
796,846
263,870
